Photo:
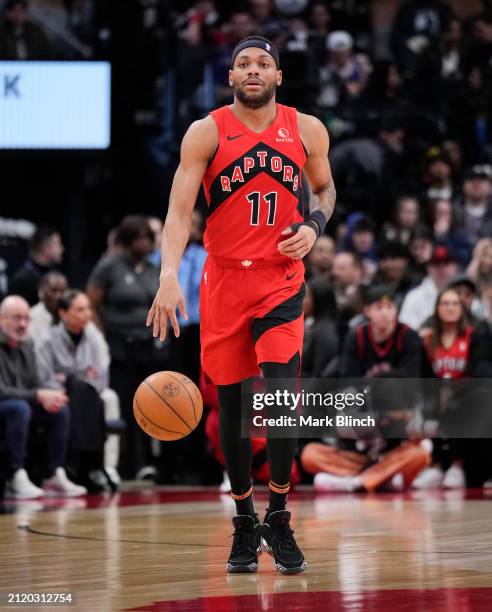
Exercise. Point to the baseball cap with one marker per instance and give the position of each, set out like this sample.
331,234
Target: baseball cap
483,171
364,224
462,279
442,255
434,154
377,293
340,40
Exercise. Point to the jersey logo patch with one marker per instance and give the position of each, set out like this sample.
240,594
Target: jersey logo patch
283,135
246,263
229,137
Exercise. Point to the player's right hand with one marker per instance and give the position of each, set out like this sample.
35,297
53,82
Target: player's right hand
168,298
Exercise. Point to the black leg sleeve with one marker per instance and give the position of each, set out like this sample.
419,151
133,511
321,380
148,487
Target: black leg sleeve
281,451
237,450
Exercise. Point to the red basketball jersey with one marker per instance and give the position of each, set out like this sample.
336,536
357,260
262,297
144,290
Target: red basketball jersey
453,361
253,186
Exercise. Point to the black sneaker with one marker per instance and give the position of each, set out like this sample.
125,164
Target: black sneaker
278,541
246,545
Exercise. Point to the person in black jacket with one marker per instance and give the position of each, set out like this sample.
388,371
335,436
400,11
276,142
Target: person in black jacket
382,345
45,253
22,399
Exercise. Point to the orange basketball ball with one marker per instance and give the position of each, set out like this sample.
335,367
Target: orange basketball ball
168,405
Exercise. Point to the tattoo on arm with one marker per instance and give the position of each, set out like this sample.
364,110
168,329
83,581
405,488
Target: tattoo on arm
324,199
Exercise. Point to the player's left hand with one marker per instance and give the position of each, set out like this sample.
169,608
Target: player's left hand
298,245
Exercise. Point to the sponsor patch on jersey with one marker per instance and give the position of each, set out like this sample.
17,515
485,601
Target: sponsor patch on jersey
283,135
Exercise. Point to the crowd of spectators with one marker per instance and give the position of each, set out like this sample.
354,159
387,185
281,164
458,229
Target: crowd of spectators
50,30
400,285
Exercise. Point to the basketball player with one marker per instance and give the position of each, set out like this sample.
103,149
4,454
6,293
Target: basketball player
250,156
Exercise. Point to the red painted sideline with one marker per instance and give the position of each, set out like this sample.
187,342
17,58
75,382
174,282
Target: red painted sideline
411,600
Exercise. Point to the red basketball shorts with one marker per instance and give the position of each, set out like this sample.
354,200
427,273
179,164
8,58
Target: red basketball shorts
249,314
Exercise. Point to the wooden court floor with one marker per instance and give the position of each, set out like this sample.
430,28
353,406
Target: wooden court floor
165,549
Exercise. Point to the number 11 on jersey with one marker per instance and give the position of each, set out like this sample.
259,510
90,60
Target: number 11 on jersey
254,199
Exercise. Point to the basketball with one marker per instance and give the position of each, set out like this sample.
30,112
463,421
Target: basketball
167,405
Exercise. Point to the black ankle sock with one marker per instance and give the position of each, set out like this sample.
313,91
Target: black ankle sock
278,498
245,506
278,501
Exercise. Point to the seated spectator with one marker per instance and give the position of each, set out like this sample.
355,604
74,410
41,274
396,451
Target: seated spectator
451,343
43,316
383,344
345,74
320,337
320,258
453,350
380,347
480,267
447,231
476,203
24,400
360,239
437,177
394,269
347,277
45,253
20,39
467,291
45,313
421,247
405,217
419,303
73,348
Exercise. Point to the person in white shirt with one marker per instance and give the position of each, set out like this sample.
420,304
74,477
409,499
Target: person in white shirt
42,318
419,303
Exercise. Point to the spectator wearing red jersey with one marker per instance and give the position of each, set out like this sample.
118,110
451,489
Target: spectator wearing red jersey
453,350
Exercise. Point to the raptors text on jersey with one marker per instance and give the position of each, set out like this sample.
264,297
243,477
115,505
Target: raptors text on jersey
253,186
